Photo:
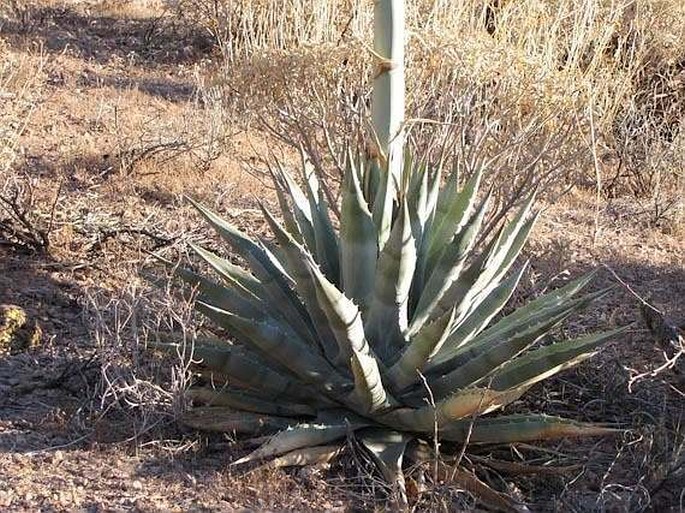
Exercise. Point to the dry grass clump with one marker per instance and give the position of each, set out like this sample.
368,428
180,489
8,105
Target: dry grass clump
17,11
137,394
245,26
599,79
19,87
20,91
147,136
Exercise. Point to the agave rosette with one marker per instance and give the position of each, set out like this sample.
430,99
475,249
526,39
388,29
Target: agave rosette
387,329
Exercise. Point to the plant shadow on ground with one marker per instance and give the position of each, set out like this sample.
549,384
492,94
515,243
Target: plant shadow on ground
42,385
92,169
56,394
156,41
150,45
625,386
167,88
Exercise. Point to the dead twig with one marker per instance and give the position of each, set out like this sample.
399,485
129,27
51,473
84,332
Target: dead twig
666,332
105,235
19,229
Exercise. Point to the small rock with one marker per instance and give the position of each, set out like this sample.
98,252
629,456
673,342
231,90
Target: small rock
57,456
17,332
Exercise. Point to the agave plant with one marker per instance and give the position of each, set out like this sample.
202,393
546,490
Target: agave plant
387,330
385,326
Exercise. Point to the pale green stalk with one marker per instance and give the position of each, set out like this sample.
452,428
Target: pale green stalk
387,107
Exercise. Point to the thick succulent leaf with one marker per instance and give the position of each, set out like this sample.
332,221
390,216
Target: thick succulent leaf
298,437
298,197
487,359
261,263
419,350
463,332
547,306
421,228
227,420
252,290
282,344
288,304
509,330
369,393
502,255
346,323
245,401
423,200
248,369
447,197
277,258
308,456
442,199
387,449
547,361
280,290
383,203
434,182
386,316
521,428
486,271
459,289
301,209
417,198
228,298
240,242
519,241
297,257
410,168
447,270
515,234
198,285
230,273
280,186
560,297
485,284
324,235
370,181
453,211
358,241
459,405
474,401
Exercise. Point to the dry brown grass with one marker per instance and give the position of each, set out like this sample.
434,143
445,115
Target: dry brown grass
602,80
20,91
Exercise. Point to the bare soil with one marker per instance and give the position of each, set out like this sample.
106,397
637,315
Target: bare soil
116,137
